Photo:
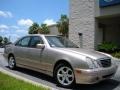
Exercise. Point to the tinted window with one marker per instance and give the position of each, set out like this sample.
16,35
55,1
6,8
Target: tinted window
18,43
23,42
36,40
57,41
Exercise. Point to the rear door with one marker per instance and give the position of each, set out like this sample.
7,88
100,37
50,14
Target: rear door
21,50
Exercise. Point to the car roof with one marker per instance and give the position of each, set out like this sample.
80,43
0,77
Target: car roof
41,35
35,35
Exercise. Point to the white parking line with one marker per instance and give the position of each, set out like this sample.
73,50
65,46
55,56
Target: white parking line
24,79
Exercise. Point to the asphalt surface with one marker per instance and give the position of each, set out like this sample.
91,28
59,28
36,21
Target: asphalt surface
111,84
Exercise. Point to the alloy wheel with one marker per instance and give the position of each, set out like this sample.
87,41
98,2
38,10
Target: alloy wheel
65,76
11,62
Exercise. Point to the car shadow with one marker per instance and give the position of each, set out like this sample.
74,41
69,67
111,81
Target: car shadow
109,84
35,74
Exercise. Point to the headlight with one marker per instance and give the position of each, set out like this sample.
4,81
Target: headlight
92,63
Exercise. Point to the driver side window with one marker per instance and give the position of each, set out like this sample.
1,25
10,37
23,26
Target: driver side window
35,40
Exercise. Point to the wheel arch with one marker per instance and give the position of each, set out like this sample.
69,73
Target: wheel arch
66,63
62,61
10,54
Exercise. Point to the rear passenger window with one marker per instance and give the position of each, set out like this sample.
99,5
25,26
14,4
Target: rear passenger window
23,42
35,40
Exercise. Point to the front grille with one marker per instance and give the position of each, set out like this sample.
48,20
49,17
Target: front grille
106,62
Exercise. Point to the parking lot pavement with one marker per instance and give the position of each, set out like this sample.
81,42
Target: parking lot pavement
111,84
1,50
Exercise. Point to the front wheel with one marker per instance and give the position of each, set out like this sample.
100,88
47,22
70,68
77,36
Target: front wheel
64,75
11,62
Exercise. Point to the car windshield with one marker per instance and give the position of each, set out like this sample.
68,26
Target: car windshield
61,42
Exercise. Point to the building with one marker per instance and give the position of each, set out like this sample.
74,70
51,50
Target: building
94,21
53,29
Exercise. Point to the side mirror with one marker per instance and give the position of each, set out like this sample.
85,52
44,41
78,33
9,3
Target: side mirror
40,46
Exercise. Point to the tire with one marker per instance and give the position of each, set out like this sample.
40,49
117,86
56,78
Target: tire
11,62
64,75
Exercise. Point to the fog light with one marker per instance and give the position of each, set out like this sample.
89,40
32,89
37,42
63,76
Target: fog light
95,79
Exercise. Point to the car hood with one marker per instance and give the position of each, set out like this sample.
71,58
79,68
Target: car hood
89,53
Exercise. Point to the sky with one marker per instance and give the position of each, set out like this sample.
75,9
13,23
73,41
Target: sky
16,16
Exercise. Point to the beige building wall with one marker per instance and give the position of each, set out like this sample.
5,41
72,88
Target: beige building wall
82,20
53,29
89,23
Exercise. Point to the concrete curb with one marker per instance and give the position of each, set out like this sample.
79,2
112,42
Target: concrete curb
118,60
1,50
25,79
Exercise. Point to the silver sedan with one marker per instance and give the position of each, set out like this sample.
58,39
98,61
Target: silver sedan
60,58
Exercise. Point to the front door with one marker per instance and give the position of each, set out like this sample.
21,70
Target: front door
35,53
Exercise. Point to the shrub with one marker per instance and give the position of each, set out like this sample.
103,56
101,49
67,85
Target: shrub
107,47
116,54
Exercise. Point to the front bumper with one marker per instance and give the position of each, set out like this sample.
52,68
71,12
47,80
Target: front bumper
91,76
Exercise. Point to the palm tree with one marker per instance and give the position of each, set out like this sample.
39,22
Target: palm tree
63,25
1,39
44,29
34,28
5,40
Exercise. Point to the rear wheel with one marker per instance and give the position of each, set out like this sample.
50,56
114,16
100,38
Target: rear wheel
11,62
64,75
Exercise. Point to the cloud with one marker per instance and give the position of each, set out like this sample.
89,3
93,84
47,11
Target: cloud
14,27
2,30
13,37
6,28
2,26
21,31
25,22
6,14
13,31
49,22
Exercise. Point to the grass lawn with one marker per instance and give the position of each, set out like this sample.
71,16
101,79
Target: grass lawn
10,83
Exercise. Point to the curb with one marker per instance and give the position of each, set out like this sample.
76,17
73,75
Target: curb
118,60
25,79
